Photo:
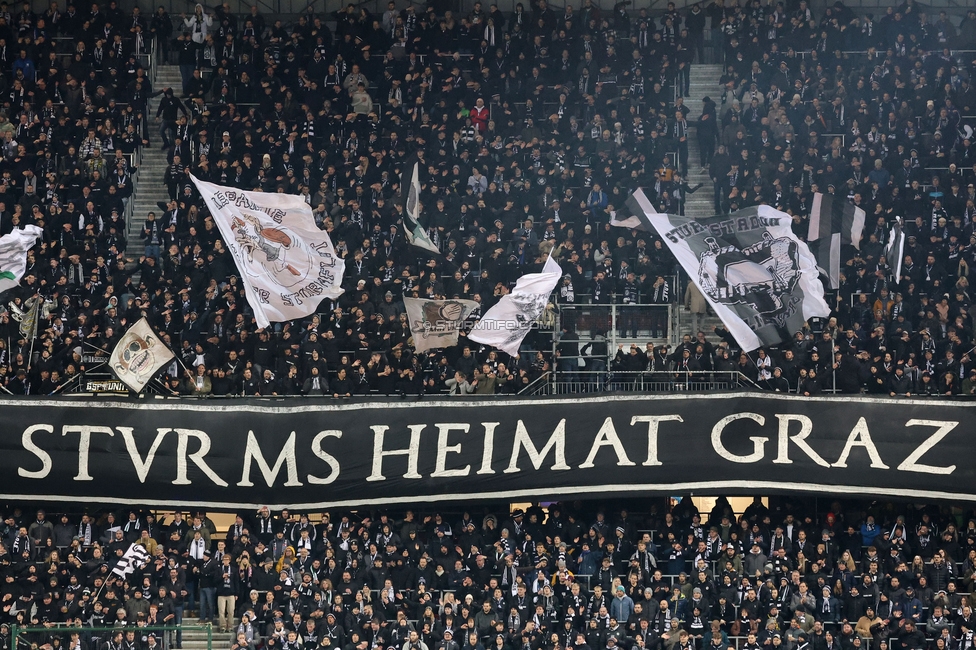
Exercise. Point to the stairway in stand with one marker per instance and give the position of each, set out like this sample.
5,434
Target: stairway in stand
197,639
149,188
704,82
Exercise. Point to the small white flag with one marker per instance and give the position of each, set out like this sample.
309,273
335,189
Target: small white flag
505,325
135,558
410,199
436,323
895,250
13,255
288,265
139,355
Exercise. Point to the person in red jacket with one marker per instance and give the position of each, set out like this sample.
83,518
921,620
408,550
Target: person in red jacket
479,116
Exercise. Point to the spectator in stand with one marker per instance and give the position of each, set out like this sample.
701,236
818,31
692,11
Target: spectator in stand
557,586
510,114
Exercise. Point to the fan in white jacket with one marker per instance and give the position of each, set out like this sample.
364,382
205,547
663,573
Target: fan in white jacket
458,384
198,24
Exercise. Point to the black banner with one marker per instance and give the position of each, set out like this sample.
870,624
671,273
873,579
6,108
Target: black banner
305,454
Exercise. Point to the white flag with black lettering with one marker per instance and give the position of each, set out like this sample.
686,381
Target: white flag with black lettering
436,323
288,265
505,325
134,558
758,277
139,355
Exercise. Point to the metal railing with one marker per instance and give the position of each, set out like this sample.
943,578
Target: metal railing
153,62
657,381
620,322
28,638
538,386
803,54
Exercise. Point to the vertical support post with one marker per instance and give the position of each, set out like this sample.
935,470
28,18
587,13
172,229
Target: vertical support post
556,330
833,370
613,330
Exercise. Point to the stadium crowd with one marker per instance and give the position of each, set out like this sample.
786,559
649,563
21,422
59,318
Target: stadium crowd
533,127
860,575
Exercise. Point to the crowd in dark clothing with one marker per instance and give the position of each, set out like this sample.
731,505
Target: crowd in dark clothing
906,363
567,577
889,130
532,128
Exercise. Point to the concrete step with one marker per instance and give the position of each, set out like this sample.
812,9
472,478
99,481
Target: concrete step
706,324
148,190
219,640
704,81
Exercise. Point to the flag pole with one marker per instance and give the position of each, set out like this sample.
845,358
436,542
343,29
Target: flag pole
833,366
92,345
37,312
65,384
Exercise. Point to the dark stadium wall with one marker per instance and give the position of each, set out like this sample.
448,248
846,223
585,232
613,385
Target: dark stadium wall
324,453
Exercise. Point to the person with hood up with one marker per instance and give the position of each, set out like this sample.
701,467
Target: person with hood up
198,24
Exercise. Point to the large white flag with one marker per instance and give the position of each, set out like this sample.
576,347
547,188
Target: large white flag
436,323
288,265
134,558
758,277
139,355
505,325
13,255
